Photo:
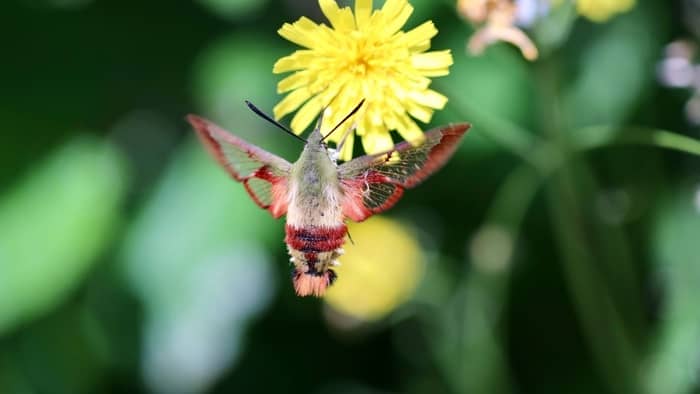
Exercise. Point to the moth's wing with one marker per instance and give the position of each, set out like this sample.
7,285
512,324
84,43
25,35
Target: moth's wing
374,183
264,175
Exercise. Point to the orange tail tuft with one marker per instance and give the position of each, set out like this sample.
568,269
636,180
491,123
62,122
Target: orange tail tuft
307,284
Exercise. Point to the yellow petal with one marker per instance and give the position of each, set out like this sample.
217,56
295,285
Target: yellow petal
376,142
363,10
343,98
419,35
410,131
396,13
411,81
301,32
419,112
294,81
395,104
306,114
373,116
432,64
291,102
340,18
364,126
296,61
420,46
393,8
429,98
391,121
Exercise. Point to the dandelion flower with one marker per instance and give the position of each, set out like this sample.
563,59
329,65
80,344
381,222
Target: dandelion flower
364,55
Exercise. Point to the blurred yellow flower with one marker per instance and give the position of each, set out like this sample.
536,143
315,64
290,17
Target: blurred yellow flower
363,55
379,270
602,10
496,22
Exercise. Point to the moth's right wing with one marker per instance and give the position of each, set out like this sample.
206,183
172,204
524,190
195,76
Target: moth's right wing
374,183
263,174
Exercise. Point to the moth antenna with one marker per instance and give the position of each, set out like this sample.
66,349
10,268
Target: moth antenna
350,238
274,122
354,110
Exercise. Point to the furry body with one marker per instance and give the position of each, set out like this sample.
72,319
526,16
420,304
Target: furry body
315,230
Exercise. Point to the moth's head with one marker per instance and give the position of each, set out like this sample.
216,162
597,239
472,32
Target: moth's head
317,139
312,283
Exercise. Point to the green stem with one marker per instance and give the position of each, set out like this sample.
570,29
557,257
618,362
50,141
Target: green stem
504,133
513,198
602,323
596,137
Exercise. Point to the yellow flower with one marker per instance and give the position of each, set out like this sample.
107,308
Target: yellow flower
380,270
602,10
362,56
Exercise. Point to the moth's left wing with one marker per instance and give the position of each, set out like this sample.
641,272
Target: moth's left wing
374,183
263,174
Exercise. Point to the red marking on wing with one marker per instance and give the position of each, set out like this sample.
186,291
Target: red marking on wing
263,174
358,194
277,204
374,183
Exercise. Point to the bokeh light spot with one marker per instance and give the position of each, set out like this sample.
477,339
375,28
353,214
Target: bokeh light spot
379,271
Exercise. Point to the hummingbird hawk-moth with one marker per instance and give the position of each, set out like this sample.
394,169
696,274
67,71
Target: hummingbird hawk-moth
318,194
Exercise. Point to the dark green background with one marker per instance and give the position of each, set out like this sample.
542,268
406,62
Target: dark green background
108,206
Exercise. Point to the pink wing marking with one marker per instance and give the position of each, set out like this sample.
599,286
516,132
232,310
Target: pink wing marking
360,193
374,183
263,174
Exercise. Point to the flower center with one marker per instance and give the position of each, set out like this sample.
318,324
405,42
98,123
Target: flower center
359,59
359,66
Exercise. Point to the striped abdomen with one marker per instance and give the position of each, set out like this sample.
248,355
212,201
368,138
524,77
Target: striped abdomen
314,250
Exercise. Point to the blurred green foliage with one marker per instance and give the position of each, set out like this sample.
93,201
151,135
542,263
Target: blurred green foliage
54,224
562,239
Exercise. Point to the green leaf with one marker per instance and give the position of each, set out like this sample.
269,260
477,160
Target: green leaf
53,224
493,92
196,210
673,365
466,339
235,9
614,67
552,31
195,257
496,82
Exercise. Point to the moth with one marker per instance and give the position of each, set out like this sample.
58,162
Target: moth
318,194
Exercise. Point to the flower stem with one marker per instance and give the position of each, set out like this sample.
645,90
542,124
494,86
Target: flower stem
595,137
582,249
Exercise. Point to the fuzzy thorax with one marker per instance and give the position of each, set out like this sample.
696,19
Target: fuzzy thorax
315,194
